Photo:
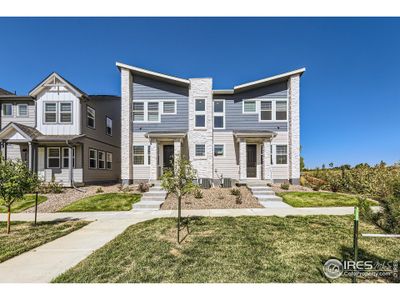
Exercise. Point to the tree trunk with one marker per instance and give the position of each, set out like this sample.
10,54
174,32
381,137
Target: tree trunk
8,219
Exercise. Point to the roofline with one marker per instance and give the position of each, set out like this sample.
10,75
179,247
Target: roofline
267,80
15,97
223,92
152,74
16,128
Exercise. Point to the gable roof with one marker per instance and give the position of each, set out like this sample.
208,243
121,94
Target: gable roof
53,76
154,75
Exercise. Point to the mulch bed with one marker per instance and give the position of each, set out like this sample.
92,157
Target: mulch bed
213,198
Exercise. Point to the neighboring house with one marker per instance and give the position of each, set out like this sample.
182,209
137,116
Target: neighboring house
249,132
62,133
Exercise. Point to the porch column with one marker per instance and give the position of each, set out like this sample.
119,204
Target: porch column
30,156
177,148
153,159
242,159
70,166
267,160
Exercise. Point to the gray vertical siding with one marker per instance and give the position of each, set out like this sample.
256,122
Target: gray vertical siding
236,120
150,89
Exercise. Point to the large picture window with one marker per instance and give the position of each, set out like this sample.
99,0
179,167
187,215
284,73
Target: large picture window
53,157
138,155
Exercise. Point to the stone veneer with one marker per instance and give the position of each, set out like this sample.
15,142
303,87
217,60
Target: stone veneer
294,129
126,127
201,88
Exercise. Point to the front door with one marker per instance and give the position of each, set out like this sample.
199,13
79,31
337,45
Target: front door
168,156
251,161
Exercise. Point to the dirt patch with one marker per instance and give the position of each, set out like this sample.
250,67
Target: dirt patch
276,187
213,198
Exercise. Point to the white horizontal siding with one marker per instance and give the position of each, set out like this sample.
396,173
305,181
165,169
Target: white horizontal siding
141,172
228,164
280,171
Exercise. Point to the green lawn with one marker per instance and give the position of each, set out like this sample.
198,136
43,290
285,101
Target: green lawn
22,204
316,199
25,236
228,249
104,202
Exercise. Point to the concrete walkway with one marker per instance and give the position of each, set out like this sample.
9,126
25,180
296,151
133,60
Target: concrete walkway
46,262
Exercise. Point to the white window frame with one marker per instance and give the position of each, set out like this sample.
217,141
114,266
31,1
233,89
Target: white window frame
223,148
89,108
200,113
146,110
144,155
287,110
163,103
18,110
195,151
276,154
59,112
95,158
48,157
272,111
44,112
219,114
101,160
12,110
109,159
158,110
63,157
250,112
111,133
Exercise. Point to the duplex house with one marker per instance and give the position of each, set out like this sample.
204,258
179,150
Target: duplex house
251,131
62,133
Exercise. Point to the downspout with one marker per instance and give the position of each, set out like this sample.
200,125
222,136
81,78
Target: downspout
71,173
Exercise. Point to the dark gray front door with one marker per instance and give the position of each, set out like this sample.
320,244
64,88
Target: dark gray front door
168,156
251,161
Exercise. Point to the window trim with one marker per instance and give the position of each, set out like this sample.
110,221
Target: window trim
27,110
158,110
200,156
200,113
275,155
2,110
103,160
59,112
219,114
108,118
62,157
250,112
48,158
287,109
44,112
133,155
272,110
95,159
223,146
163,102
109,161
88,107
146,110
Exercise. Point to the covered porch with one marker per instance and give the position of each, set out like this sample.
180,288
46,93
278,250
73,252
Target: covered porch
165,147
254,154
49,156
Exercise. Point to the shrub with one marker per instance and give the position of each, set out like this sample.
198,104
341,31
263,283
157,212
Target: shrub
285,186
99,190
235,192
220,196
197,193
239,199
316,188
143,187
51,188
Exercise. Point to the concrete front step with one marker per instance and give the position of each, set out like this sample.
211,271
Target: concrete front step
156,193
260,188
263,192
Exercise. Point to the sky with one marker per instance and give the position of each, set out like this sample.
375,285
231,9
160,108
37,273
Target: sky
350,92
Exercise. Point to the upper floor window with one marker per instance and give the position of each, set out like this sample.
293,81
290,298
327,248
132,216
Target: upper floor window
22,110
169,107
153,112
146,111
108,126
91,117
281,154
219,114
138,111
50,112
200,113
281,110
266,111
7,109
249,106
65,112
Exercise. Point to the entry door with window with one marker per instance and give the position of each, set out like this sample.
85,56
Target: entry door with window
168,156
251,161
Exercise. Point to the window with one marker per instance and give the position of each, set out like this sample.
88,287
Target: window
53,157
219,118
109,160
50,112
7,109
92,159
200,150
152,112
148,154
169,107
22,110
138,155
249,106
65,157
91,117
108,126
138,111
65,112
102,160
218,150
266,111
280,110
281,154
200,112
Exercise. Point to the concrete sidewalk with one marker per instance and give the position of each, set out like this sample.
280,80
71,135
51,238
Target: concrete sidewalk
46,262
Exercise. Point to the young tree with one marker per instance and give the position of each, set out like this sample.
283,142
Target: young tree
179,181
15,181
